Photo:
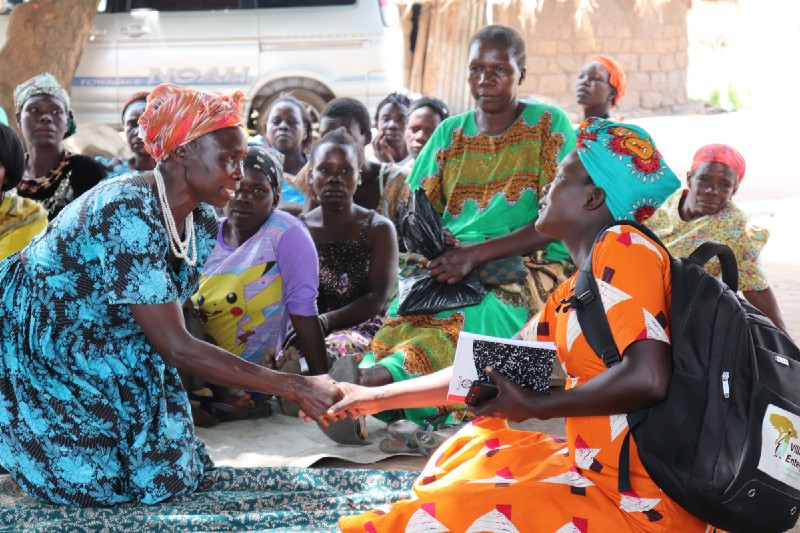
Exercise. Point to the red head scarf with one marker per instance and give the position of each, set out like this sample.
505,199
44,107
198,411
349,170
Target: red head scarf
720,153
177,115
616,76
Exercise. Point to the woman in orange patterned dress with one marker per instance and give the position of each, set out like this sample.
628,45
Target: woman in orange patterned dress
488,477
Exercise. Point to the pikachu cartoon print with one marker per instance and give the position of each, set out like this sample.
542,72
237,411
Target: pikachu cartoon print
235,305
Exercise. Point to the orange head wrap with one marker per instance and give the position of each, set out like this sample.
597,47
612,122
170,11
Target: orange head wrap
616,76
177,115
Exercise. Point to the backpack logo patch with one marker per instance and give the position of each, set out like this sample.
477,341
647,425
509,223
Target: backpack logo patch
780,446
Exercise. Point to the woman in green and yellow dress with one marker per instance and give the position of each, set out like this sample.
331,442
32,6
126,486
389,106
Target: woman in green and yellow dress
484,171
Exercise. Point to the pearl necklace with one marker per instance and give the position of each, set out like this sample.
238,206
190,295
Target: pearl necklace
180,249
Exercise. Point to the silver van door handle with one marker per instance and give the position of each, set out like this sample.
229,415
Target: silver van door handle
94,33
135,30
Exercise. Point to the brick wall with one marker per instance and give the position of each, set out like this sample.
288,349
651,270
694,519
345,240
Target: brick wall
651,47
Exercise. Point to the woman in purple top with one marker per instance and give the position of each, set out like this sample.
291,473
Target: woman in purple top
262,275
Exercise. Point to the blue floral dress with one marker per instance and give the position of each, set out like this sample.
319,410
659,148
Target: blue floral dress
89,412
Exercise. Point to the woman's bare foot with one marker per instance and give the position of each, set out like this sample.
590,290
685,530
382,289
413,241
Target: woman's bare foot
375,376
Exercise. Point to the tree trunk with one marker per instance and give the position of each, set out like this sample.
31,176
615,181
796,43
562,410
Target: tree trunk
43,35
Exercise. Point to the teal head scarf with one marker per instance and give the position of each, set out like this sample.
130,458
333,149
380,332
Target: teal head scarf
45,83
623,160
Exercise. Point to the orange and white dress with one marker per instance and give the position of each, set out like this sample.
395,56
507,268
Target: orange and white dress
490,478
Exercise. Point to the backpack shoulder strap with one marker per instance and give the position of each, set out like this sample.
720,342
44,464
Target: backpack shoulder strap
589,306
727,260
592,315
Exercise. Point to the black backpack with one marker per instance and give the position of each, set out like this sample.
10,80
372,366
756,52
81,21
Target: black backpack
733,401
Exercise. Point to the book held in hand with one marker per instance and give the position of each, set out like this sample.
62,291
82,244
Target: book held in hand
527,363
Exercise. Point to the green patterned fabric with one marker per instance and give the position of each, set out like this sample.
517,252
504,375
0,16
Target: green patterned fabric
484,187
228,499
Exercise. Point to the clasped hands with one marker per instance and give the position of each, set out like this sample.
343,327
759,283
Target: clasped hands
513,402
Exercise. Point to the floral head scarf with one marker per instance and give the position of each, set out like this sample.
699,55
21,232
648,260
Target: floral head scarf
46,84
616,76
720,153
624,162
177,115
269,161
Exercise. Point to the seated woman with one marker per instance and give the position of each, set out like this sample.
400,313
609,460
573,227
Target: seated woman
21,219
261,276
53,176
92,408
705,212
389,145
139,160
484,171
287,128
526,481
601,85
424,116
357,249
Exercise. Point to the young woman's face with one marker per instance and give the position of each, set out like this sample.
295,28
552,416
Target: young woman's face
392,123
335,175
284,127
419,129
563,197
593,87
214,165
130,124
493,76
253,202
711,187
43,120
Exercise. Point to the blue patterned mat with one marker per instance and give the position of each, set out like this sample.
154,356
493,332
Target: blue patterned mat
229,499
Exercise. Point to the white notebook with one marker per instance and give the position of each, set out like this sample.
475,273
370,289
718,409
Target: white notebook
528,363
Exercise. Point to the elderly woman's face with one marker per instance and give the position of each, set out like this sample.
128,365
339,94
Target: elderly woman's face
43,120
711,187
493,76
214,165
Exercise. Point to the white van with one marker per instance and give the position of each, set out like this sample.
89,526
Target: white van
318,49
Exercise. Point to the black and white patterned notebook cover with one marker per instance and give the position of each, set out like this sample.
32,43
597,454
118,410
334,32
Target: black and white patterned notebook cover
527,366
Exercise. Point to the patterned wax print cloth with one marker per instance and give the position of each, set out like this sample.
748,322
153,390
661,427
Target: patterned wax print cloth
729,226
485,187
89,412
177,115
526,481
247,293
624,161
21,220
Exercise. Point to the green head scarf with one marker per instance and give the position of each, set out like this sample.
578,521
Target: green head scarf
45,83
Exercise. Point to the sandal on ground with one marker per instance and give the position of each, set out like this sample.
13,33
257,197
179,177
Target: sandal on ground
347,430
426,441
226,412
394,445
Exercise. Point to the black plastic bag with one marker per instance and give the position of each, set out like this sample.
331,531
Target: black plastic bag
423,233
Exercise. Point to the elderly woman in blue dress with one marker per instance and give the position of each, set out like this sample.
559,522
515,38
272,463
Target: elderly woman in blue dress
92,409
